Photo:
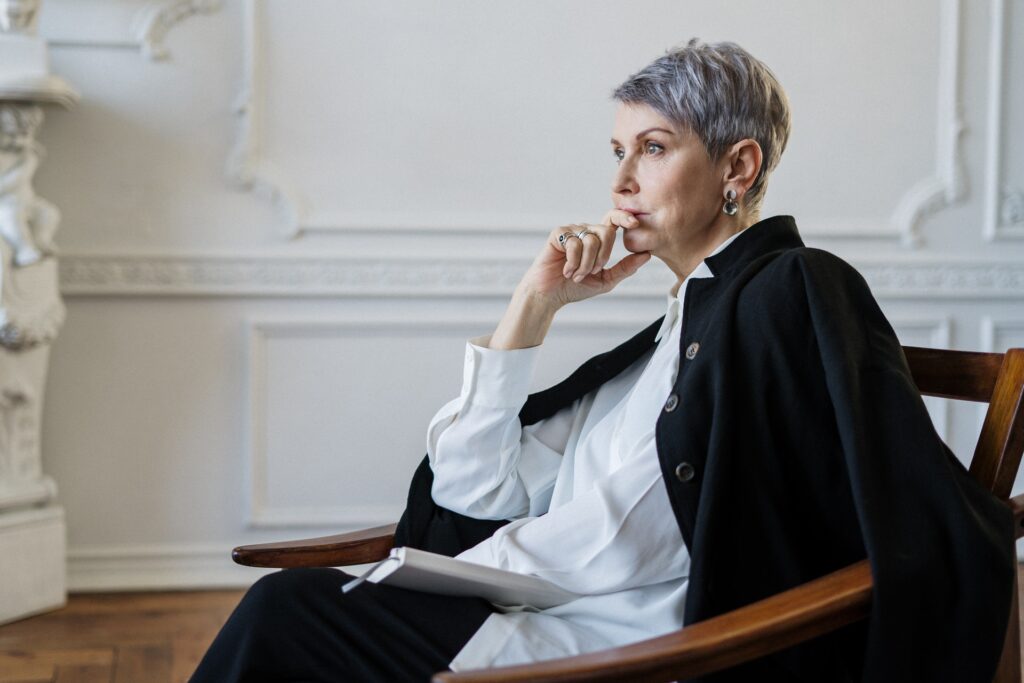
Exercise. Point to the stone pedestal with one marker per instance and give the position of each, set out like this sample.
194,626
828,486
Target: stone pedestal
32,529
32,545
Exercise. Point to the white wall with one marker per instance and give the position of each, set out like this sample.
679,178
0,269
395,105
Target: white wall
276,241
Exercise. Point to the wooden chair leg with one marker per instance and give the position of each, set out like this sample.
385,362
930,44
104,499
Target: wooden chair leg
1009,663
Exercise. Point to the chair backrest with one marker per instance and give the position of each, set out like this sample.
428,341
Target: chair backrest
993,378
998,379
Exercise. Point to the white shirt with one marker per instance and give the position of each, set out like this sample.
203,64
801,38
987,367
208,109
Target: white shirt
584,488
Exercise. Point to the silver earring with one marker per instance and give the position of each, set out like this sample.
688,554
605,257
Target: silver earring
730,207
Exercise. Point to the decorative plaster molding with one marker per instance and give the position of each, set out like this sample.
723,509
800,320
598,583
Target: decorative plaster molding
248,168
119,24
286,276
1004,206
136,275
944,279
948,185
155,21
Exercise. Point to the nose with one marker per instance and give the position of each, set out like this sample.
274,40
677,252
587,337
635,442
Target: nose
624,181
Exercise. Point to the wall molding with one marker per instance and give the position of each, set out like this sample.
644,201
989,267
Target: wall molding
248,167
260,514
156,21
994,326
348,276
1004,205
939,331
943,279
948,184
108,24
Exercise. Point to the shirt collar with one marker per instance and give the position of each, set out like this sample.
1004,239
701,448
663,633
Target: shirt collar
674,304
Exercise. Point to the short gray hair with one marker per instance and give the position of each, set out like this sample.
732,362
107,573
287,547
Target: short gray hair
721,93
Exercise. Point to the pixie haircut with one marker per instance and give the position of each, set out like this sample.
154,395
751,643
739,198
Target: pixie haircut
721,93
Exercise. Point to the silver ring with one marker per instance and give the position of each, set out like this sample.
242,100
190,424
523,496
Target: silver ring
564,237
584,232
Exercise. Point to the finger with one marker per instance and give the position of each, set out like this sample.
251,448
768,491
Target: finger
618,217
573,252
626,267
555,238
607,235
562,239
591,242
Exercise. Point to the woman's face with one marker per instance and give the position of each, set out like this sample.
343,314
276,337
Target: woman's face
667,181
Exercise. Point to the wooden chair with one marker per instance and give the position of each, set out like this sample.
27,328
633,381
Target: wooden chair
775,623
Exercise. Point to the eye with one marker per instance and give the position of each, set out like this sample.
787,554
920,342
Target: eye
653,148
618,153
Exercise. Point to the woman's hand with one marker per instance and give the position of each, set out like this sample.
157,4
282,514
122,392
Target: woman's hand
562,274
575,270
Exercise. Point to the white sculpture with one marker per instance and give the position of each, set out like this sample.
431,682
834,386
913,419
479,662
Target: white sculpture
18,16
27,222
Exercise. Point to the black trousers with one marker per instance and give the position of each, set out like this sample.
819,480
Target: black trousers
296,625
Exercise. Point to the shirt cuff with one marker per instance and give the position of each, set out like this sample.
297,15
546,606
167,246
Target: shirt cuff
497,379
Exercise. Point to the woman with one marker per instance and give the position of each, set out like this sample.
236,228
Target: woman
761,434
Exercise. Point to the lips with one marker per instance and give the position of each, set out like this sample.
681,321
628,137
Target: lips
635,212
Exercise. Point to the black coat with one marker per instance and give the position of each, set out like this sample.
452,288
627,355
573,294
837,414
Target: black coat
795,443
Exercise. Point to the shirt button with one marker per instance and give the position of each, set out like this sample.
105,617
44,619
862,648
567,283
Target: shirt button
691,350
671,403
685,472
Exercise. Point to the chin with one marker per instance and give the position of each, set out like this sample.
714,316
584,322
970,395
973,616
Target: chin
635,243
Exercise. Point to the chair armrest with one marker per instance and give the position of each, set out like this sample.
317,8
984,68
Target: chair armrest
758,629
357,547
1017,508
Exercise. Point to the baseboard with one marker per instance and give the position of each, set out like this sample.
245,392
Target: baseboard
156,567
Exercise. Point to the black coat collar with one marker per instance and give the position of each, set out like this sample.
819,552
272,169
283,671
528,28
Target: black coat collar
772,234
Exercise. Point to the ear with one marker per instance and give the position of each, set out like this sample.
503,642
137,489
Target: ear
743,164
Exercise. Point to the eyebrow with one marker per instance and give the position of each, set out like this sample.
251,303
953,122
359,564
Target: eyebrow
645,132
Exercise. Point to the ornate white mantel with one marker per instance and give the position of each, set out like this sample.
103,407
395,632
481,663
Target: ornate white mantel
32,529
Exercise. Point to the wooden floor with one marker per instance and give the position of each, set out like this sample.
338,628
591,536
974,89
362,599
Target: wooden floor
115,638
119,638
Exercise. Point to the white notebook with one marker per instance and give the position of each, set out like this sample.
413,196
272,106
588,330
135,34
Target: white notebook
432,573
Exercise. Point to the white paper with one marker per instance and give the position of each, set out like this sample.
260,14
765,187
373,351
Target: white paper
432,573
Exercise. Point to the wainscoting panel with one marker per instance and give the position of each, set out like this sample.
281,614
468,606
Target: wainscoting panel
339,409
934,333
